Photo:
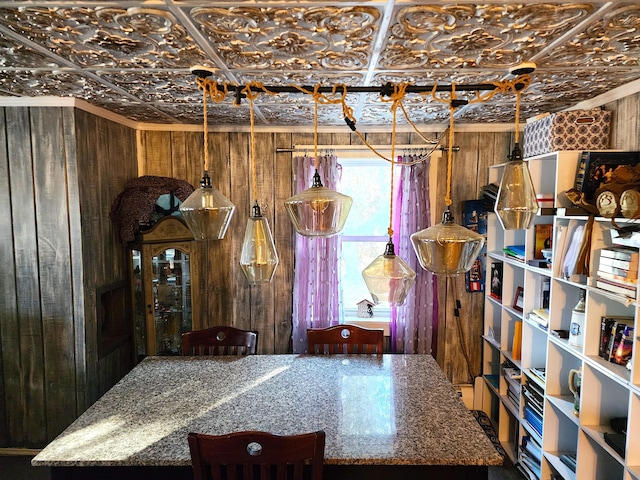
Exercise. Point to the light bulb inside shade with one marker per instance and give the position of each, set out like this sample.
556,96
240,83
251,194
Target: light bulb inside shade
516,204
318,211
258,258
207,212
447,248
389,278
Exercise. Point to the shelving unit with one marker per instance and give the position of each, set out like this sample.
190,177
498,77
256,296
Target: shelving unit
608,390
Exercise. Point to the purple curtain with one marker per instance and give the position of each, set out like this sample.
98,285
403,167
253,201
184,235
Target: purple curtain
316,291
414,325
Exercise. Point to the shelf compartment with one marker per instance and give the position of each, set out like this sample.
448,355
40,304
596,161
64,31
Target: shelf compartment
633,441
560,430
558,466
564,404
595,459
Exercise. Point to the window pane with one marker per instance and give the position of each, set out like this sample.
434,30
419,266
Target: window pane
356,256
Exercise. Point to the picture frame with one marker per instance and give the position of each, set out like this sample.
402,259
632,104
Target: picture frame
518,300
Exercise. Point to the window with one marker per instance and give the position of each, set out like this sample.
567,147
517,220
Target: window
367,181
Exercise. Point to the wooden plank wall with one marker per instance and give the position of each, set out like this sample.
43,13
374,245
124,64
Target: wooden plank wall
57,246
227,297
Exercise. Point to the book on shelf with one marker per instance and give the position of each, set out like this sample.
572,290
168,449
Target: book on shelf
622,347
606,322
542,238
569,459
540,373
530,446
615,335
516,252
570,260
620,253
533,419
619,272
615,287
629,268
496,280
545,290
540,316
630,282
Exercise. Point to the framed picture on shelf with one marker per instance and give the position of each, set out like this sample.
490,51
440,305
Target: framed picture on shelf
543,235
496,280
518,300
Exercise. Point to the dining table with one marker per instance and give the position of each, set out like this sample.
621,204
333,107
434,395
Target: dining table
385,416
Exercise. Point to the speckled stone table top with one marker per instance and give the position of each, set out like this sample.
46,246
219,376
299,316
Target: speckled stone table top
375,410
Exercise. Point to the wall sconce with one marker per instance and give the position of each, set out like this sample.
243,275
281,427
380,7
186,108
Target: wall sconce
206,211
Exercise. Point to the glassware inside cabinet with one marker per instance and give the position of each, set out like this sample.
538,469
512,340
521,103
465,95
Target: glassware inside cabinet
171,300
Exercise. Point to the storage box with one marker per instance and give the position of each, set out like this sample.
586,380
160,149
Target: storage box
573,130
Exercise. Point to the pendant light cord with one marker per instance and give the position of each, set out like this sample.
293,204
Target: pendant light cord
251,95
399,92
517,115
447,198
206,130
316,99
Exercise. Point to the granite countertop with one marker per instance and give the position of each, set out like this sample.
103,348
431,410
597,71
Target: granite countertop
375,410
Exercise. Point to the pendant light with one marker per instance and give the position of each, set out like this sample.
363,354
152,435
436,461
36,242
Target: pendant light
447,248
258,258
516,203
389,278
206,211
318,211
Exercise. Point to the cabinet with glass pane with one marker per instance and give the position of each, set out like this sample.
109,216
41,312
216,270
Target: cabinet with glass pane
163,274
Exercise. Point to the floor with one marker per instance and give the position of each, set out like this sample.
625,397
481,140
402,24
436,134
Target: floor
19,468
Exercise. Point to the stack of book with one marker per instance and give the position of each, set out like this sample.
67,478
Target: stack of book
533,396
516,252
530,458
512,375
616,338
618,271
540,316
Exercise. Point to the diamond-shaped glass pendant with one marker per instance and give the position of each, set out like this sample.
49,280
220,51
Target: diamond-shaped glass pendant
516,204
318,211
207,212
389,278
258,258
447,248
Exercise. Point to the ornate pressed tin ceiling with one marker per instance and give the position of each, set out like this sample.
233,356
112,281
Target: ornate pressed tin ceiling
133,57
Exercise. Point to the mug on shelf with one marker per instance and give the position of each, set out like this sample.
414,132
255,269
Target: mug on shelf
575,382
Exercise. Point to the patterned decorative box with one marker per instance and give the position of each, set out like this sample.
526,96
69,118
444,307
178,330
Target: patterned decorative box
573,130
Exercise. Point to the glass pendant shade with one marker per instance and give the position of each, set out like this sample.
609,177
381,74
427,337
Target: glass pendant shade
447,248
516,203
258,259
389,278
207,212
318,211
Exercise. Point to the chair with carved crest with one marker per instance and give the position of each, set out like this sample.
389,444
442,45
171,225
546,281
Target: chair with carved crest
345,339
219,341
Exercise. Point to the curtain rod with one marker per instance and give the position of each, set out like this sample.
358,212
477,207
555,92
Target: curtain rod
356,148
386,89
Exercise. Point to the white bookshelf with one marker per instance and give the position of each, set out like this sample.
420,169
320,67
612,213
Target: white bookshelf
608,390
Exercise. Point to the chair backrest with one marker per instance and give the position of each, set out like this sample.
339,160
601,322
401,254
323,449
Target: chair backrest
345,339
219,341
257,456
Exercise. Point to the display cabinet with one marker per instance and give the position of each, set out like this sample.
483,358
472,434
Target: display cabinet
559,435
164,267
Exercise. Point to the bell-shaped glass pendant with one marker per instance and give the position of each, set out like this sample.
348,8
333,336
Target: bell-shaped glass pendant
389,278
318,211
516,204
207,212
258,258
447,248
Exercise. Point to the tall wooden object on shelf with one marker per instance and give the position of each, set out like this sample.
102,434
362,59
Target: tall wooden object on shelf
608,391
164,272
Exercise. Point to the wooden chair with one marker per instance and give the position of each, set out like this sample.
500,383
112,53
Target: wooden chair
257,456
219,341
345,339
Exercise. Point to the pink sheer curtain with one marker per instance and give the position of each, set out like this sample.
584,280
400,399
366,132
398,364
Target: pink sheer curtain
414,325
316,290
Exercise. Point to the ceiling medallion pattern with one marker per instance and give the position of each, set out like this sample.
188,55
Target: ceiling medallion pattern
133,58
291,38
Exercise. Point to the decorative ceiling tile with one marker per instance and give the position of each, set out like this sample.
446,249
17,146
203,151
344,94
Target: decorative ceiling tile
290,38
134,57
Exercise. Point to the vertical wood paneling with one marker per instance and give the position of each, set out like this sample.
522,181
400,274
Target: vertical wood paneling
54,256
158,154
242,308
9,341
178,156
27,426
284,238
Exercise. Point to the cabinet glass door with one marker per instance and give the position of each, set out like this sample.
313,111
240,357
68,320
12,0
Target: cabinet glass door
171,300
